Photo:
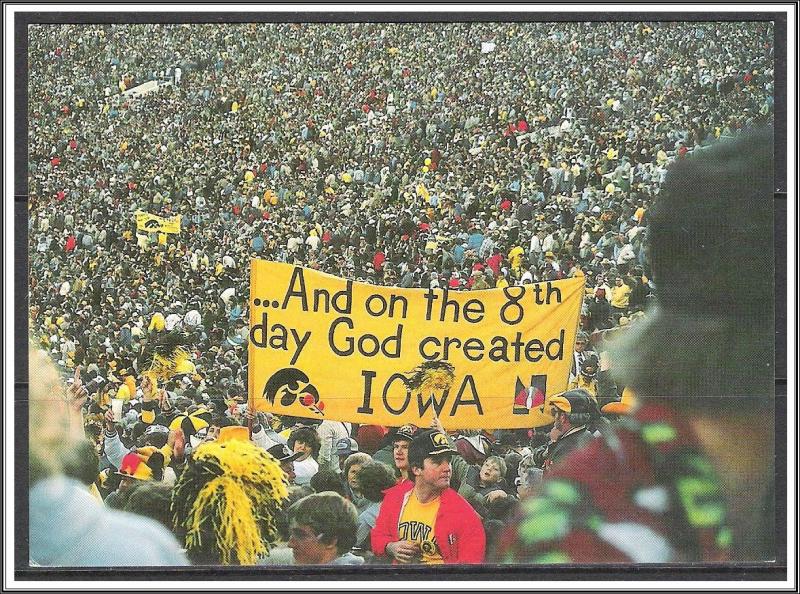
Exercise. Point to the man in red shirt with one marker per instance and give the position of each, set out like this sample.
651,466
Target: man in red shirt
426,521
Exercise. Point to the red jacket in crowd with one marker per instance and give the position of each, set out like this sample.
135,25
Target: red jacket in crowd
459,530
494,261
378,260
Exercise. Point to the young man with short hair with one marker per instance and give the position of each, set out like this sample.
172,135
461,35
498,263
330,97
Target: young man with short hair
399,451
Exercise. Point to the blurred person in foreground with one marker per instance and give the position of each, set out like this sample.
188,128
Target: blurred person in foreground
68,526
687,477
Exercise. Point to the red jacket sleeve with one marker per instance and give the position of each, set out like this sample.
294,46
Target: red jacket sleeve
385,530
472,547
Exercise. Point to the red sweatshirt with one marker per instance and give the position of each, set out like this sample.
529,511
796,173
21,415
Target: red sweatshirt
459,530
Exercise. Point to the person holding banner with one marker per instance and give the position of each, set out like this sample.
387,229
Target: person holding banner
305,441
424,520
329,433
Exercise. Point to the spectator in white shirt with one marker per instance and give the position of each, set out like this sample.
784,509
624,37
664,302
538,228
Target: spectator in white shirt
305,441
330,432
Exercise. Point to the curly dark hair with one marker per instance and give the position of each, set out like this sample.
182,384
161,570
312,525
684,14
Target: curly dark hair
82,462
151,499
305,435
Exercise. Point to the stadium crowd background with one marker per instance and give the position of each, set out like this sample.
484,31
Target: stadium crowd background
393,154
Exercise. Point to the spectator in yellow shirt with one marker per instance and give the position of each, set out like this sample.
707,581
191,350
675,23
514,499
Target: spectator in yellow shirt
620,297
502,282
587,378
515,257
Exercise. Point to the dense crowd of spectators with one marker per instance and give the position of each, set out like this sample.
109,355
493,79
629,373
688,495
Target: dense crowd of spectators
468,156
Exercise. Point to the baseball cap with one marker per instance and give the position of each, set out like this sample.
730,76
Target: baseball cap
406,432
346,446
153,429
624,406
282,453
590,366
148,414
572,402
137,466
426,444
617,407
198,438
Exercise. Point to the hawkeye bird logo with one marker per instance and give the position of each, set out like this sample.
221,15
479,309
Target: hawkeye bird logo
439,440
292,384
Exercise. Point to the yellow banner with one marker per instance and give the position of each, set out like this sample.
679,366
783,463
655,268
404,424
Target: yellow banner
328,348
151,223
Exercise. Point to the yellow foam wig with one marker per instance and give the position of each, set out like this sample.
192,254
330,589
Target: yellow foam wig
224,503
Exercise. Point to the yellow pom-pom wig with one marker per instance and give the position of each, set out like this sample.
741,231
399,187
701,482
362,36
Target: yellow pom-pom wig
224,503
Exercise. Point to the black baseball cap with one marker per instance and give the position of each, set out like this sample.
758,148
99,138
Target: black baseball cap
406,432
589,366
426,444
282,453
